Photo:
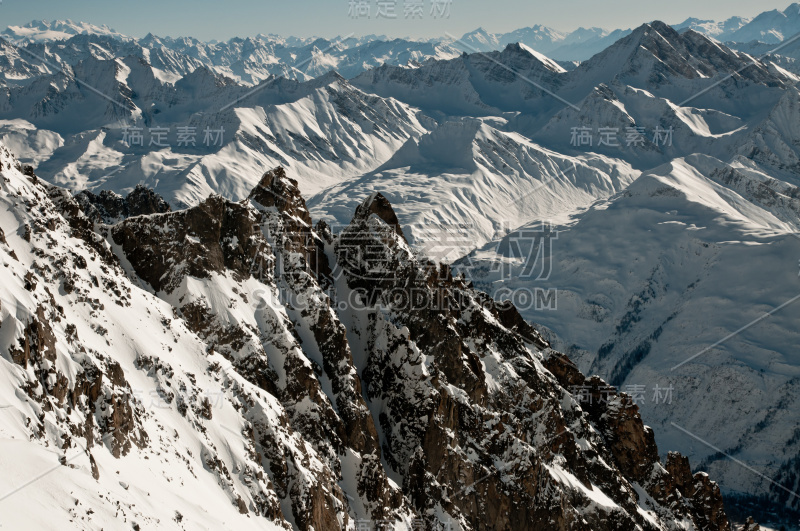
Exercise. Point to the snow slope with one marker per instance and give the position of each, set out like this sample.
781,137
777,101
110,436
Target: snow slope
465,182
324,130
82,385
652,280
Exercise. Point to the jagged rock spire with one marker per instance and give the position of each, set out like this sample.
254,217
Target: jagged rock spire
376,204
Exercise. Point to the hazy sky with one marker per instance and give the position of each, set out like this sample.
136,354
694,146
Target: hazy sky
218,19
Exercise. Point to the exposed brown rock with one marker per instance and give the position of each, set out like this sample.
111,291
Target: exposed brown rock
378,205
109,207
751,525
211,237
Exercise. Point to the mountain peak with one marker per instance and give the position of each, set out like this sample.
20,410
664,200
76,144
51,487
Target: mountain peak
658,25
376,204
331,76
43,30
276,189
520,48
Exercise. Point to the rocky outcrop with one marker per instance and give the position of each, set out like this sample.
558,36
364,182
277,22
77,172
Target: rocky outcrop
357,383
750,525
635,452
268,241
109,207
93,389
378,205
213,237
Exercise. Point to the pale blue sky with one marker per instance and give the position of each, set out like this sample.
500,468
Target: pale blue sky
222,19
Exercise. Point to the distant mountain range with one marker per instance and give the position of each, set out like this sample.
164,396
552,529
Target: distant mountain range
47,46
253,59
770,27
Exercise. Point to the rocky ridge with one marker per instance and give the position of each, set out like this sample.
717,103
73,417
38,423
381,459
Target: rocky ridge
355,381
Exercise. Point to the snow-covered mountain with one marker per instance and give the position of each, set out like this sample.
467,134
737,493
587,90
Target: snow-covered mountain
771,27
44,31
253,59
42,47
465,182
578,45
770,33
529,90
200,391
323,130
720,30
663,247
481,40
652,286
479,84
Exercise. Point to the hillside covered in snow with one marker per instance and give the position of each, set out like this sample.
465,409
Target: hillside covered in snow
606,222
231,365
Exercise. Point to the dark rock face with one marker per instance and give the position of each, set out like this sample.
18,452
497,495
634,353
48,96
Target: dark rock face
415,311
215,236
271,240
109,207
369,384
635,451
378,205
